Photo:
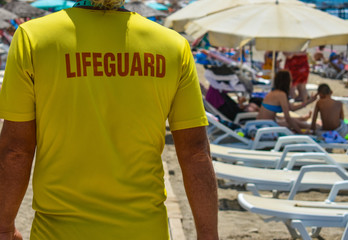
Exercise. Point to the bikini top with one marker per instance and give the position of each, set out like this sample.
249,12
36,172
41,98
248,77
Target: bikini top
273,108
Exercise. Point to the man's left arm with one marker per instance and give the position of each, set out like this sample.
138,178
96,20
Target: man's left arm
17,149
192,147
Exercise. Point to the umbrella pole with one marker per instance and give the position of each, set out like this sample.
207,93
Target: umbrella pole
251,55
273,67
241,57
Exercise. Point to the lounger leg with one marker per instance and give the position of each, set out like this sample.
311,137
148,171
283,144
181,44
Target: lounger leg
294,234
345,233
299,226
252,188
275,193
315,232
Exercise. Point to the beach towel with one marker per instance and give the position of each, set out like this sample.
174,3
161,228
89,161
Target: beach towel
342,130
333,137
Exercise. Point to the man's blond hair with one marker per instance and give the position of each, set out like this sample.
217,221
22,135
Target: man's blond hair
108,4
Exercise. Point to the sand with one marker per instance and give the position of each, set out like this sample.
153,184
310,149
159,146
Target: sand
234,222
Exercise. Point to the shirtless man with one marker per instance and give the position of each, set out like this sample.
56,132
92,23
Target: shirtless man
319,55
331,112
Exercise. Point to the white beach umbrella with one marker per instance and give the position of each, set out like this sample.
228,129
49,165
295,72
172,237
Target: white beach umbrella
203,8
7,15
274,26
4,25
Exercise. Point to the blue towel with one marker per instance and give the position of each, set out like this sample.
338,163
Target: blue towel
333,137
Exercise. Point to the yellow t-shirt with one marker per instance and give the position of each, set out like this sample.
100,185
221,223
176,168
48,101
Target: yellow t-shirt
101,85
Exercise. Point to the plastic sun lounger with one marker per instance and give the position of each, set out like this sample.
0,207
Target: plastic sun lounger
219,133
240,117
274,158
257,143
268,159
342,99
297,215
256,179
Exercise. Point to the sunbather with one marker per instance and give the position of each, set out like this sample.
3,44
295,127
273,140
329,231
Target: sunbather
337,66
223,80
276,101
331,113
319,54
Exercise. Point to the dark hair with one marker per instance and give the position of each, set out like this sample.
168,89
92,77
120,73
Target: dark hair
282,81
324,89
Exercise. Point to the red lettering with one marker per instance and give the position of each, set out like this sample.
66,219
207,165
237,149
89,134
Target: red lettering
97,64
109,64
136,65
160,66
69,74
149,61
126,64
78,64
109,68
85,63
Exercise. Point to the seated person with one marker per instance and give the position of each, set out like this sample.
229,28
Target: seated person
336,61
277,101
319,54
331,113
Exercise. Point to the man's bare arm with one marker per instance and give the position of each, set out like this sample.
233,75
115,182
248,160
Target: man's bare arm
192,147
17,148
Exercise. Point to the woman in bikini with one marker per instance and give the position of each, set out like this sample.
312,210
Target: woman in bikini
277,101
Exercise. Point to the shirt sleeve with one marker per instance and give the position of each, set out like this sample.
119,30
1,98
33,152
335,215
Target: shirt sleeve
17,98
187,109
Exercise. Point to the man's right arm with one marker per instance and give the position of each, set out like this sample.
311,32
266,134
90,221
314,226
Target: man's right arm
17,149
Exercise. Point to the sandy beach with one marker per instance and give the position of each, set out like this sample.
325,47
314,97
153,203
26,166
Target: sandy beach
234,222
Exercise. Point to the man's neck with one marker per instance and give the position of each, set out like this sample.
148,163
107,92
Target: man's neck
83,3
88,4
326,97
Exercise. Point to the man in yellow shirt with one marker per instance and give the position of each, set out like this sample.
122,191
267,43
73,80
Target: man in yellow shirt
90,88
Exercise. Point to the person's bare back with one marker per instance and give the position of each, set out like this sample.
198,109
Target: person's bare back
330,113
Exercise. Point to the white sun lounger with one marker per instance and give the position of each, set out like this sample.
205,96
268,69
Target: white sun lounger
307,139
272,159
221,134
300,214
256,179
